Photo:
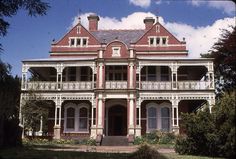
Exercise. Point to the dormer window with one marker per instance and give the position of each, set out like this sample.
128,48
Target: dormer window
115,51
163,41
158,41
78,41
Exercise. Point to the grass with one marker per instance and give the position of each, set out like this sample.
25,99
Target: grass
29,152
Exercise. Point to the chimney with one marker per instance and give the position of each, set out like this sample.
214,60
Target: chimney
148,21
93,22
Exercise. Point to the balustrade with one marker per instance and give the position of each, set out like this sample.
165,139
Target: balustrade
116,84
65,85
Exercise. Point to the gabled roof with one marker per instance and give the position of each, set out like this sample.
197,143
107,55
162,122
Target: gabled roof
126,36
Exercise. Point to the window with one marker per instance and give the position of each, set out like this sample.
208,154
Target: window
151,73
115,51
163,41
70,120
72,42
152,118
151,41
83,119
76,117
164,73
78,41
158,41
85,73
165,119
72,73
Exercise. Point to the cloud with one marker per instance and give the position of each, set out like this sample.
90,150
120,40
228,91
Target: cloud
141,3
227,6
199,39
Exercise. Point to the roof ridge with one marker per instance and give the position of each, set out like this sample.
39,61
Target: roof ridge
119,30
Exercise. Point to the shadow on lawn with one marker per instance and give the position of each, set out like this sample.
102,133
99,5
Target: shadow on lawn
31,152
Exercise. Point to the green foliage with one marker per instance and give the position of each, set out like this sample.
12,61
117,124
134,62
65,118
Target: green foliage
10,8
224,56
155,137
10,132
145,152
210,134
32,111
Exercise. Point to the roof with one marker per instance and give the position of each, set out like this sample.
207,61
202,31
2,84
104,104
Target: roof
126,36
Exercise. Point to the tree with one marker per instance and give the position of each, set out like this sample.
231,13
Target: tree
9,105
210,134
224,54
10,86
9,8
32,112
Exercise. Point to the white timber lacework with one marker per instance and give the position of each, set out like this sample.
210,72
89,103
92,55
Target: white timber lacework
193,85
150,85
65,85
116,84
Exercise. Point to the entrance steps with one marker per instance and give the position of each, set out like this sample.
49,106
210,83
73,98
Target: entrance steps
115,141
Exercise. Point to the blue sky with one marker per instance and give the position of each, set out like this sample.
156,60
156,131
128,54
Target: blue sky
199,21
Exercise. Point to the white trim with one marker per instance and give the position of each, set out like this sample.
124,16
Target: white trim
77,108
116,51
158,108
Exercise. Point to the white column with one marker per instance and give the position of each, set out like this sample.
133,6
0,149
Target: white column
57,124
174,76
59,69
41,126
100,75
138,125
131,114
131,75
175,116
100,118
24,77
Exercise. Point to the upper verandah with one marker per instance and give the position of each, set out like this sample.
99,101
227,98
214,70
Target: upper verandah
154,38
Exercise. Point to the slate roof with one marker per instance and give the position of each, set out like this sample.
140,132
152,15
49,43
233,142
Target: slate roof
126,36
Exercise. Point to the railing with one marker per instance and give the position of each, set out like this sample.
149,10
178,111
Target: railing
193,85
77,85
65,85
42,85
116,85
151,85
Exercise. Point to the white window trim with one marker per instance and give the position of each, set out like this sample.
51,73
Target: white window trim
77,107
165,105
155,42
81,41
113,51
158,113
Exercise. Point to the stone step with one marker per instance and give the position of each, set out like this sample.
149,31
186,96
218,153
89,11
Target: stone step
115,141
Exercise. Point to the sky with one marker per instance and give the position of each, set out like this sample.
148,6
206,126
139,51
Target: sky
200,22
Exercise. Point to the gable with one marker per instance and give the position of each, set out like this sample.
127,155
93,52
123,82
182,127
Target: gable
83,39
159,31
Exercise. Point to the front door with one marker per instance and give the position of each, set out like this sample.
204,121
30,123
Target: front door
117,121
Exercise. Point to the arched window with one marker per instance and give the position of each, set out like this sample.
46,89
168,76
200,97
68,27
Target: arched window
83,119
165,119
152,118
70,120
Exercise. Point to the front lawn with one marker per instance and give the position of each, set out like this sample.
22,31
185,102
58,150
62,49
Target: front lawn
29,152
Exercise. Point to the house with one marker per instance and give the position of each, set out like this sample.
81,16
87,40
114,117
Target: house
118,82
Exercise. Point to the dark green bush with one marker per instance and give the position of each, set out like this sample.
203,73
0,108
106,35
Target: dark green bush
210,134
145,152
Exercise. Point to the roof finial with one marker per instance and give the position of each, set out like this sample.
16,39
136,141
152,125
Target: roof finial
79,19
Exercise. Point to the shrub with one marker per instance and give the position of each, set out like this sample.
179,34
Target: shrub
145,152
155,137
210,134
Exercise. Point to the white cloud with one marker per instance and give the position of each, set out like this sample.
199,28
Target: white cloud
199,39
158,2
227,6
141,3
